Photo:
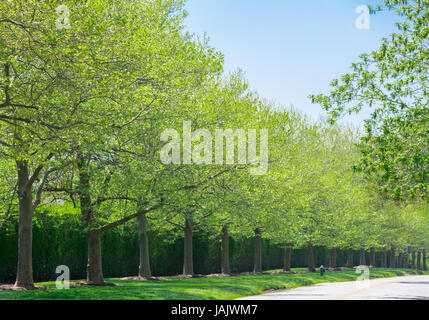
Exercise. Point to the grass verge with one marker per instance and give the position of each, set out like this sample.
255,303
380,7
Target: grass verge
209,288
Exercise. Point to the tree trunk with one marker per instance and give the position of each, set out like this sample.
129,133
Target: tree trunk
400,261
188,261
24,275
350,258
83,190
384,258
362,260
425,268
392,258
225,265
144,266
258,251
287,258
311,266
419,258
413,259
406,261
372,261
94,272
333,258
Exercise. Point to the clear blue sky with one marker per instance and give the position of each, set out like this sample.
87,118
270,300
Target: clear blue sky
289,49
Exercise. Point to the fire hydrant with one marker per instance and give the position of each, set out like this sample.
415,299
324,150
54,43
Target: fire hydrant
322,270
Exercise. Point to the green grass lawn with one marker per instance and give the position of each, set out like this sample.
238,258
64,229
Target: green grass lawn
210,288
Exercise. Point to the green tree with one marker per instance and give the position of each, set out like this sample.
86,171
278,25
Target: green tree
68,93
394,81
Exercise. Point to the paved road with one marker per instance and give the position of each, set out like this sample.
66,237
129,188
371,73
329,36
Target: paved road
398,288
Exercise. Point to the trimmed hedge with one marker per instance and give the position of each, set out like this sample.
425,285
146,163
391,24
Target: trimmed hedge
58,240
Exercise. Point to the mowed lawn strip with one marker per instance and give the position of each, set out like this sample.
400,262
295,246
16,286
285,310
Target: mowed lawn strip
207,288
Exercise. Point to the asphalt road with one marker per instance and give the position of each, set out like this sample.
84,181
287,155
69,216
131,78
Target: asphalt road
398,288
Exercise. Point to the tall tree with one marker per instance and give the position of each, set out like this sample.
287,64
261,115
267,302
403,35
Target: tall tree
394,81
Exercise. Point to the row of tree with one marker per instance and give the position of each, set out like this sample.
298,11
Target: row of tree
83,116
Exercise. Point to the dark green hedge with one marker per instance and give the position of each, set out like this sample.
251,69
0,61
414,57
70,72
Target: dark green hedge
58,240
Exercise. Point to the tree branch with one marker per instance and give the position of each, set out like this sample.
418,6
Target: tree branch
126,219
